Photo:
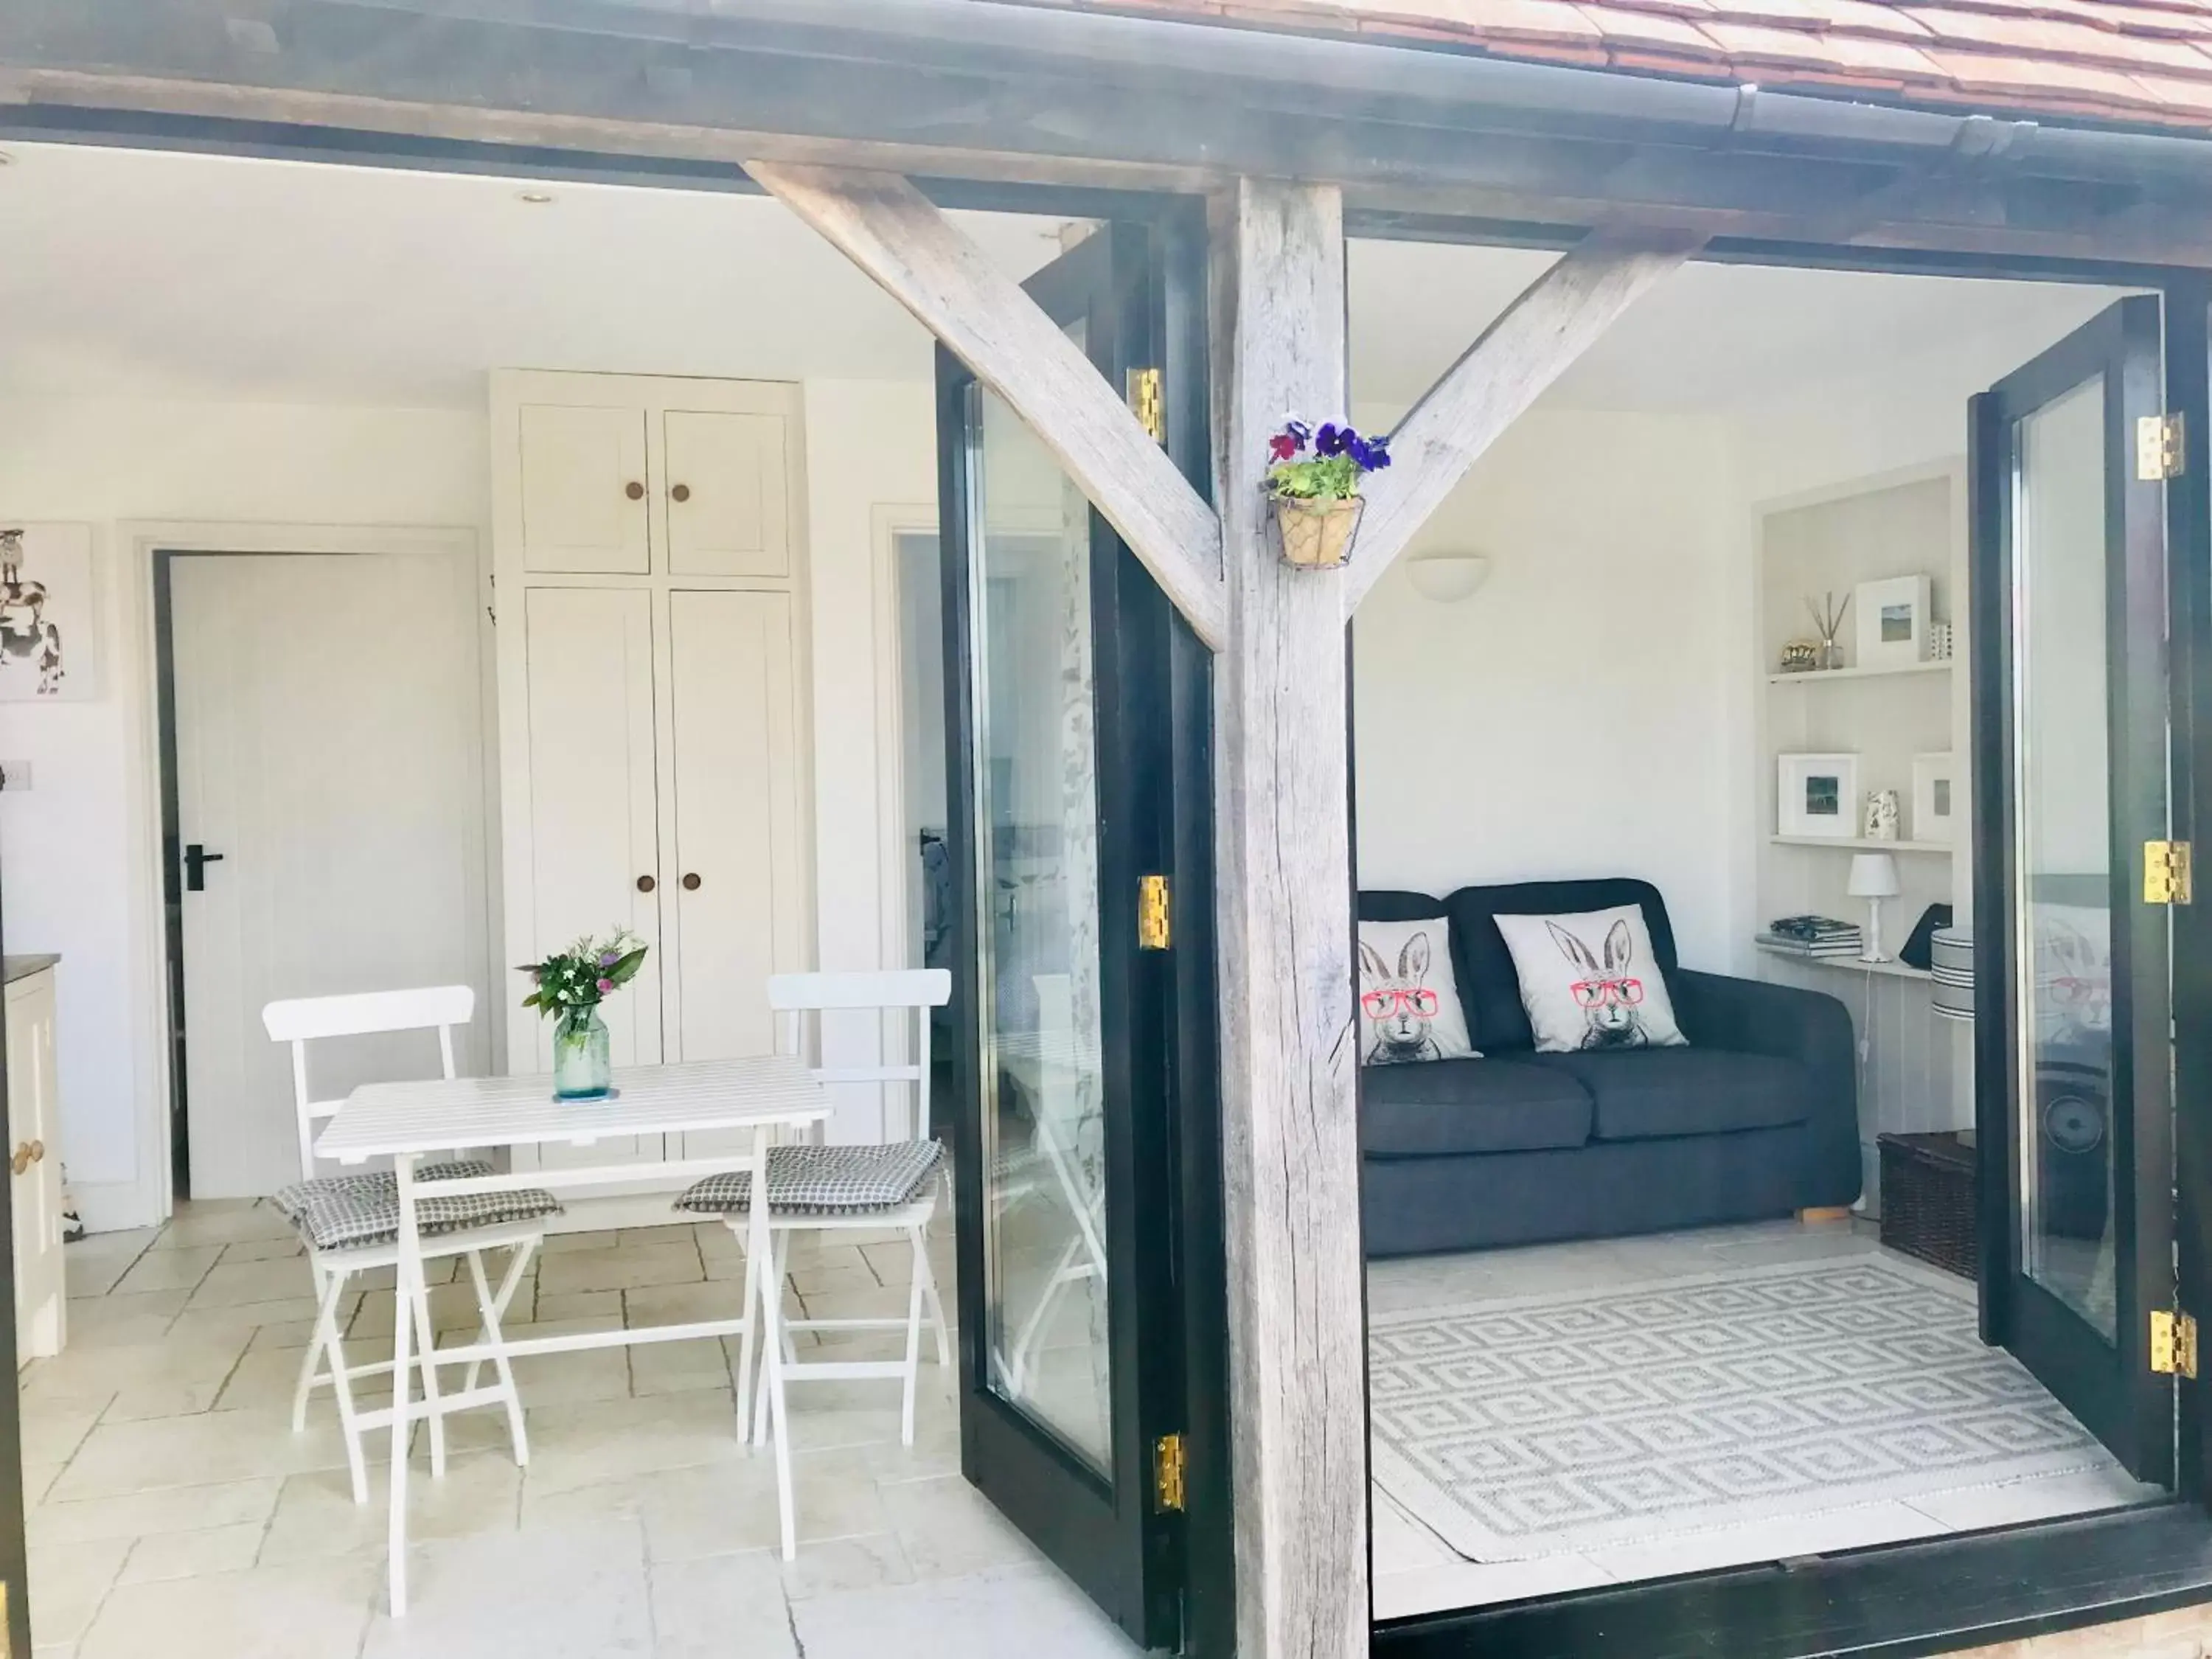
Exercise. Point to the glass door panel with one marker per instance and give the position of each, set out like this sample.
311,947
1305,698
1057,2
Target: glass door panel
1071,717
2062,903
2073,1062
1035,836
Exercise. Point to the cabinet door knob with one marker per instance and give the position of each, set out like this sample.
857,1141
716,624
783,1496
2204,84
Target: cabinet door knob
646,883
634,490
681,493
38,1151
691,881
21,1161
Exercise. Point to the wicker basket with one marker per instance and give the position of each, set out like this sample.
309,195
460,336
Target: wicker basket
1927,1208
1316,534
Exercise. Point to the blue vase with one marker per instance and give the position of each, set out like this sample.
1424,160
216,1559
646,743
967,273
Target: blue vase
582,1068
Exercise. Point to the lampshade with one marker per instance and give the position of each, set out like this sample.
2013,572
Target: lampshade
1447,578
1874,875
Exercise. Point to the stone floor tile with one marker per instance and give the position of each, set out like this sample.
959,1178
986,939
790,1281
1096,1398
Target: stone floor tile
948,1530
120,1458
720,1606
315,1610
192,1554
169,1270
315,1515
68,1582
1017,1613
675,1262
582,1593
140,1514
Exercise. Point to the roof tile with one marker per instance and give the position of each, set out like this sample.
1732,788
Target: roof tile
2044,38
2136,61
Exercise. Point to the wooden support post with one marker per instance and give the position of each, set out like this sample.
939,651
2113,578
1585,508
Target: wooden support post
1289,1047
921,259
1502,373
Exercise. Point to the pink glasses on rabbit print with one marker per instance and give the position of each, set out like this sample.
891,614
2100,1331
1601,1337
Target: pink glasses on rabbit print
1597,992
1386,1005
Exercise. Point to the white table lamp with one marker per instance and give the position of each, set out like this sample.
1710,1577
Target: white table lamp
1874,878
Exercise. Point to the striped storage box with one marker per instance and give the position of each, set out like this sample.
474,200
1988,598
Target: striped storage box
1951,966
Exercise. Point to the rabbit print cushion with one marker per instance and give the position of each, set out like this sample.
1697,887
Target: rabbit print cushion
1591,982
1408,1002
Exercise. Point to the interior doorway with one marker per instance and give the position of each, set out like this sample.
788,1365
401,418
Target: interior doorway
1724,1225
323,822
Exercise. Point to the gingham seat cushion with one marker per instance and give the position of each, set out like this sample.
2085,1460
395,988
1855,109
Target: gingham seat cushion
335,1213
823,1180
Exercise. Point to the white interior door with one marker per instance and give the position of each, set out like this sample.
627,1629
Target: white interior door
34,1141
330,751
727,478
737,899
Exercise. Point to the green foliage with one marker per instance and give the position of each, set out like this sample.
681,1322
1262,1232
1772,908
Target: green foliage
1316,478
574,981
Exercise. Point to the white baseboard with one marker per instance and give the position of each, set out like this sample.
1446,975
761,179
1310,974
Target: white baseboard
110,1207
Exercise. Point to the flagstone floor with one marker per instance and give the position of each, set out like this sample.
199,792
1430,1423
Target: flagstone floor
174,1510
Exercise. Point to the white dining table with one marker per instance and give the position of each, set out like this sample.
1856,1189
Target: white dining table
408,1122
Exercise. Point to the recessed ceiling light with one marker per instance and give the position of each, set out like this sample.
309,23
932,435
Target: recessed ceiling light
535,197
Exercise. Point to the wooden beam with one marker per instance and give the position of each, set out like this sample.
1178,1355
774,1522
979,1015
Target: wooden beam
898,236
1289,1047
1541,334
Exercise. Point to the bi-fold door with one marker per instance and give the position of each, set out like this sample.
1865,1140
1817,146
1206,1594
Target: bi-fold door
2076,876
1077,721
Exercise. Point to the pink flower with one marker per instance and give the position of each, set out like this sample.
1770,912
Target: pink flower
606,986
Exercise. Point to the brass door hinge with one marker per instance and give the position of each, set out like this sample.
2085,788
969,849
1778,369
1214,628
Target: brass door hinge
1168,1472
2166,878
1148,403
1152,929
2172,1344
2159,447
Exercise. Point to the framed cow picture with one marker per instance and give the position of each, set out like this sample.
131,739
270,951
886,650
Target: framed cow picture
47,616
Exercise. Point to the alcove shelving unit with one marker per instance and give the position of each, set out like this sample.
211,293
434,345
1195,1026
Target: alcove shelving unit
1914,1069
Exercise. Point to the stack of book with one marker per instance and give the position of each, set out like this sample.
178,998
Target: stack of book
1811,936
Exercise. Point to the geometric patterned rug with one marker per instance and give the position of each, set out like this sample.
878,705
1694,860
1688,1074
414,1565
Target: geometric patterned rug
1550,1425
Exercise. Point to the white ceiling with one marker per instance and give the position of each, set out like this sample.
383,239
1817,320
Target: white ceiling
134,273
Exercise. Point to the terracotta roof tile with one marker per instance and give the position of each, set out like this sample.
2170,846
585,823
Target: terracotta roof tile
2135,61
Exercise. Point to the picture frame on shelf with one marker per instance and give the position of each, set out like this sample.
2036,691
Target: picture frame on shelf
1892,622
1817,796
1934,798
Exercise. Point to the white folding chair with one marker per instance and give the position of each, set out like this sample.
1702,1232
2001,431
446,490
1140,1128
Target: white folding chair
349,1222
892,1186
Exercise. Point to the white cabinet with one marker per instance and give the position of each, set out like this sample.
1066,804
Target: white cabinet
652,722
727,515
580,484
35,1165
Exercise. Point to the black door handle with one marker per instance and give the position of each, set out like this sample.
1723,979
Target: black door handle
196,859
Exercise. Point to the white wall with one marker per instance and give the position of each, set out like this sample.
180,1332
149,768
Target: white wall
1587,712
67,848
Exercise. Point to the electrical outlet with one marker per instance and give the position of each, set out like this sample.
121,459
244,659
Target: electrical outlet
15,776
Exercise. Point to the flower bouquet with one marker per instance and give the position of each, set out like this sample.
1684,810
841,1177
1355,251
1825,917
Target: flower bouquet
568,986
1316,496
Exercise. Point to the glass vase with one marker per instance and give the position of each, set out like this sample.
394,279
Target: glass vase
582,1068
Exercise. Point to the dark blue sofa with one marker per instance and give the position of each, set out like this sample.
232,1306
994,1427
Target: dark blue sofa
1758,1117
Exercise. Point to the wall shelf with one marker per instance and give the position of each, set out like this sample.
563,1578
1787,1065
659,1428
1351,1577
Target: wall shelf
1943,667
1860,844
1890,969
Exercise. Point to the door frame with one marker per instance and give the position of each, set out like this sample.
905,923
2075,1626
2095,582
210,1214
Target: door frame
150,1198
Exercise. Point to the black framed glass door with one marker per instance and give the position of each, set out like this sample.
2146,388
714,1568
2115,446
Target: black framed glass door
1066,733
2073,968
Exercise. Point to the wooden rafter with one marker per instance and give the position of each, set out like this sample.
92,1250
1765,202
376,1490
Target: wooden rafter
1539,337
921,259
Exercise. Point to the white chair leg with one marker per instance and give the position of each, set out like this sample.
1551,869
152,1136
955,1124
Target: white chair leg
928,1278
419,1300
771,1315
327,1340
327,1289
507,1285
746,1342
919,1277
781,1243
490,1307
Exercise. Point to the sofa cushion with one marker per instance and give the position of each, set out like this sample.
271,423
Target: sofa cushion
1643,1094
1456,1106
1488,985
